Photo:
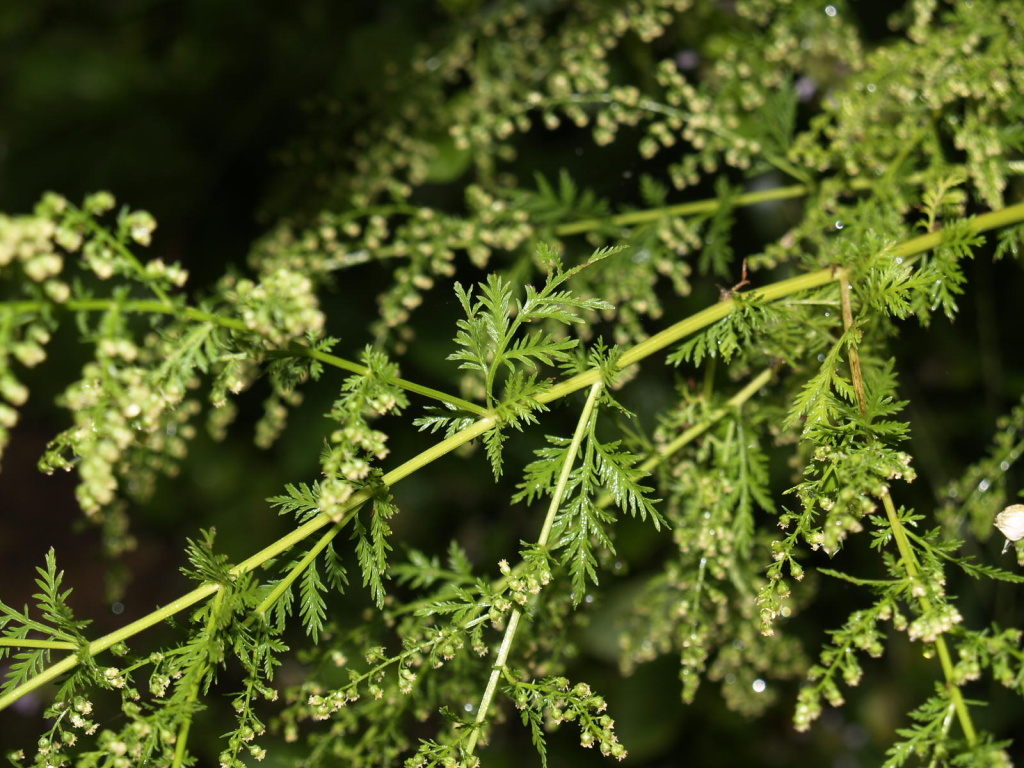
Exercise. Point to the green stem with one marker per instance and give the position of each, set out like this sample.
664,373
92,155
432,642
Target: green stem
699,429
342,515
906,551
681,209
684,328
103,234
542,540
909,560
297,350
995,219
148,306
197,673
56,645
1004,217
295,572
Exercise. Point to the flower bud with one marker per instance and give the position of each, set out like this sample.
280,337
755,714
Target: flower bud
1010,523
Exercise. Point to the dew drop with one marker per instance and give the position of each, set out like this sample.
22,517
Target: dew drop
1004,465
117,608
805,88
839,224
759,686
830,11
687,60
984,485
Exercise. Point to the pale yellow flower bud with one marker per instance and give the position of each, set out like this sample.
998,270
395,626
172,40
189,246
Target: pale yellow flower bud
1010,523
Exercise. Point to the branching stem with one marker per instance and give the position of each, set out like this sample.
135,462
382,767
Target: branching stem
302,565
1004,217
103,234
501,659
906,551
148,306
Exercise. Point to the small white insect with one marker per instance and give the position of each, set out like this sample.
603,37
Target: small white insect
1010,523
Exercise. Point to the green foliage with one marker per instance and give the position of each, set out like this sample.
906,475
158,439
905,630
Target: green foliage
705,509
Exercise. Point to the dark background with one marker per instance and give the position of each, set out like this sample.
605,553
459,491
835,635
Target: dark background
190,110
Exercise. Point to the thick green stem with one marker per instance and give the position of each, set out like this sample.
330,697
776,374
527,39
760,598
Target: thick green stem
634,355
1004,217
659,341
55,645
683,328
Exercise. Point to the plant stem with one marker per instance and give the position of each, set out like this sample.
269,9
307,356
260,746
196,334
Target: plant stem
1004,217
56,645
103,234
681,209
855,371
297,350
634,355
906,551
699,429
542,540
302,565
148,306
909,560
283,544
195,681
684,328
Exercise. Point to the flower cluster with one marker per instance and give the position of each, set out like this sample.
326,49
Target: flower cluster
554,700
120,415
280,307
